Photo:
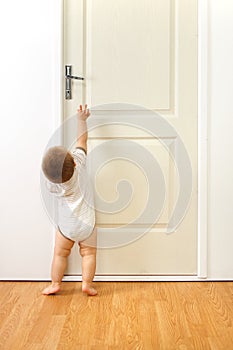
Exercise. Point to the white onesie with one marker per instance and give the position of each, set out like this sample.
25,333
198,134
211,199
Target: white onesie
76,213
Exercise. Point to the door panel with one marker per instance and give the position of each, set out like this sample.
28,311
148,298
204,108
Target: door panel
125,37
116,170
137,53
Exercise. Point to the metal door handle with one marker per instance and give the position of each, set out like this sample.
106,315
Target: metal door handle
73,77
68,83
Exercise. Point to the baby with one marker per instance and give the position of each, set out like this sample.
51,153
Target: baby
66,178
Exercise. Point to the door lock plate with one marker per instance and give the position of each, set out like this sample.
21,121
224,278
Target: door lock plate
68,81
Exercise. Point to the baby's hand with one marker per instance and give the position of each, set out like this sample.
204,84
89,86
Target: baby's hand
83,115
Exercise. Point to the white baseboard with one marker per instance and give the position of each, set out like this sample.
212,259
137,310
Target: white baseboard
126,279
146,279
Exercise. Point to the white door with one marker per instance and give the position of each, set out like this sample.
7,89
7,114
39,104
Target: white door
139,61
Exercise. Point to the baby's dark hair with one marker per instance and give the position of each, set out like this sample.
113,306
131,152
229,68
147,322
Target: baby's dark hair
58,164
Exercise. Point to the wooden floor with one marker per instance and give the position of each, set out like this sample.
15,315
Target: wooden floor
125,315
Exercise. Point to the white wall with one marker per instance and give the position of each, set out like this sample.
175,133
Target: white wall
29,47
27,111
220,198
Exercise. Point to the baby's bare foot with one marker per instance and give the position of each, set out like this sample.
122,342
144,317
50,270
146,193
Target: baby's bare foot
88,289
52,289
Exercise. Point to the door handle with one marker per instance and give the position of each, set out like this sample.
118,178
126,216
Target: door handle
73,77
68,82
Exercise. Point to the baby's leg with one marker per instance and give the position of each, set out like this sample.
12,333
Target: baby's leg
62,250
88,253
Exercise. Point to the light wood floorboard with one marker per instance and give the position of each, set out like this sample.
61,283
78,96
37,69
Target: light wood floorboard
124,315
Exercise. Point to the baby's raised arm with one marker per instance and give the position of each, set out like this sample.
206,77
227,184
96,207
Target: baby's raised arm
82,127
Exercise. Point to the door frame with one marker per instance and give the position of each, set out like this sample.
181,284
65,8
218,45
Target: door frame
58,93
